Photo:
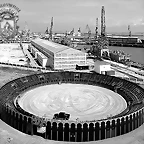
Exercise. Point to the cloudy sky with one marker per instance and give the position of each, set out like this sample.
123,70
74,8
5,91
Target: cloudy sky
70,14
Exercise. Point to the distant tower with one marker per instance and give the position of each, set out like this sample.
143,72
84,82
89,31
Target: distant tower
51,27
103,25
96,30
79,32
129,30
88,31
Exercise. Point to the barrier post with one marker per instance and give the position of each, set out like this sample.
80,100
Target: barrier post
113,129
131,122
108,129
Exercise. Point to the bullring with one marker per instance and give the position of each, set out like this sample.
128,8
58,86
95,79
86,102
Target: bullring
72,130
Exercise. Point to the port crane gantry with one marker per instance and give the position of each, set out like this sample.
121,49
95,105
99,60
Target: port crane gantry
101,48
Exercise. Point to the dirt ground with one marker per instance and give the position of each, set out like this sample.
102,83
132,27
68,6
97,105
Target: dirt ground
8,135
82,102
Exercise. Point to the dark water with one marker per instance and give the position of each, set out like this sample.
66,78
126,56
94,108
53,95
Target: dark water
137,54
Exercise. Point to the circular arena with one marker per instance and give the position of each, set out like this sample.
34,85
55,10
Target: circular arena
81,101
72,106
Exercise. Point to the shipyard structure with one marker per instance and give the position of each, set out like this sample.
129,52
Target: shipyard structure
56,56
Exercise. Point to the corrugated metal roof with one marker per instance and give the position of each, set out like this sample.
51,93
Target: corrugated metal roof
53,47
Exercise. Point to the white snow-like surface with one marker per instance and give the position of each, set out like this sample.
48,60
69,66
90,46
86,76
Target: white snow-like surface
12,53
83,102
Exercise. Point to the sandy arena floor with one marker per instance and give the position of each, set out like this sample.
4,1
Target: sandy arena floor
82,102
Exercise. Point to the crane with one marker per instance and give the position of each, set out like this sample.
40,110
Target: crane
47,31
88,31
96,30
50,30
129,30
101,48
103,25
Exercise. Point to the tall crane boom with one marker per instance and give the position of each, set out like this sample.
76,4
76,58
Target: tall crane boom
101,50
51,27
103,25
96,29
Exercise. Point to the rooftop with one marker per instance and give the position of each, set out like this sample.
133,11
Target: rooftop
53,47
122,37
101,62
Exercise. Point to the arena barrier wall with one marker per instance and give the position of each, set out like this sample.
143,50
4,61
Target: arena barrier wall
74,131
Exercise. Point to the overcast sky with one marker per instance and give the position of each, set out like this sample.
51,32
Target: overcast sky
70,14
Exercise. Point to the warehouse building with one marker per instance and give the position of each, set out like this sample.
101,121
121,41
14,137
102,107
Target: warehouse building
59,56
102,67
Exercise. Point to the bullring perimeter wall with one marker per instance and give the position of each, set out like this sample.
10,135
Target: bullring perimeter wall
77,131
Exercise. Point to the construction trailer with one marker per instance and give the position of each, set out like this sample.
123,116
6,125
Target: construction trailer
102,67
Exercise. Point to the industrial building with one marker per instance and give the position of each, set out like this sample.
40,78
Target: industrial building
58,56
102,67
34,51
42,59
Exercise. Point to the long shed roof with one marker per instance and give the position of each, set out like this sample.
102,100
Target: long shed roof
53,47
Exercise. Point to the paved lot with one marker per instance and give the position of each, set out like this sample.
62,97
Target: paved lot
12,53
